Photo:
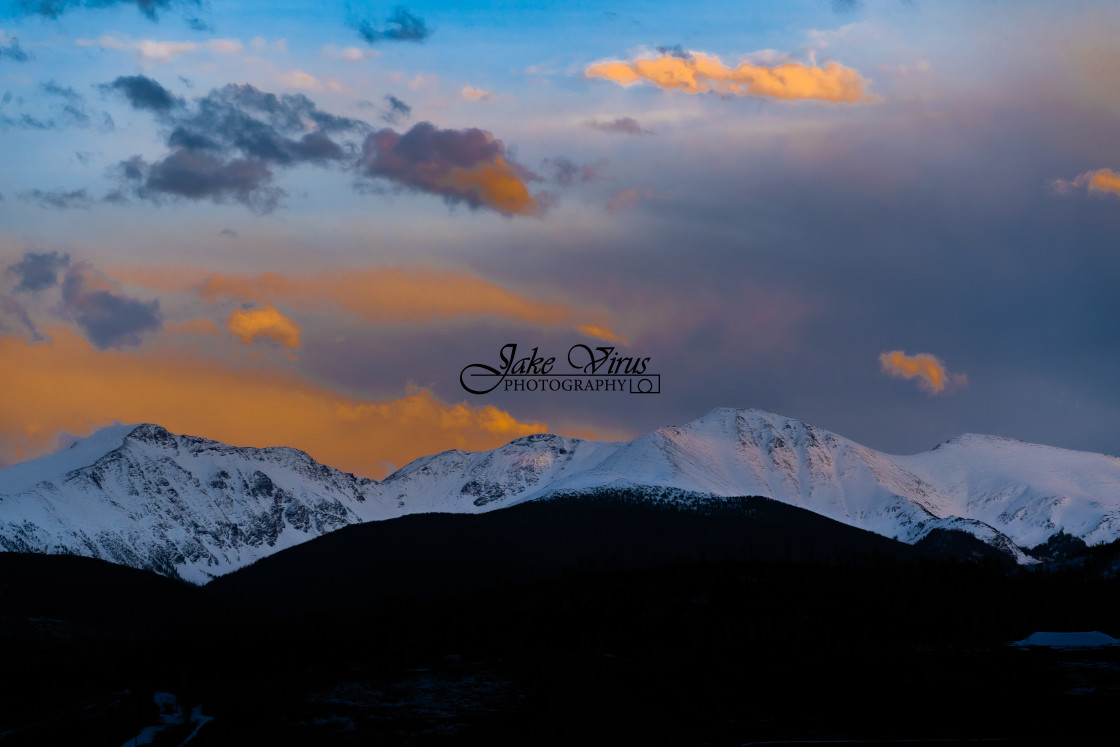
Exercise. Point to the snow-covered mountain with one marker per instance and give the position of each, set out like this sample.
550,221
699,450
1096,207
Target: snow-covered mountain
177,505
141,496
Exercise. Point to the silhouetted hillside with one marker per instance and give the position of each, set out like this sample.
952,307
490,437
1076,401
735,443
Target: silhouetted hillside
359,567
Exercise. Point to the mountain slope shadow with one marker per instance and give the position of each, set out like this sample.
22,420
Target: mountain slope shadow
361,567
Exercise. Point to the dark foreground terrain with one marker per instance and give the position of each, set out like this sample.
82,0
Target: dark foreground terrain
652,626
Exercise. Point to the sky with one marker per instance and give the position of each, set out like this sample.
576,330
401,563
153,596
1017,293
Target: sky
296,223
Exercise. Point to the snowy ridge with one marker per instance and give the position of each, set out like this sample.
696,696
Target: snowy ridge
141,496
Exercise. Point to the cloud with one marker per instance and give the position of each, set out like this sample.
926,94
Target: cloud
1105,181
55,8
158,51
88,298
701,73
307,81
37,271
1100,182
400,26
398,110
62,106
419,82
282,129
144,93
109,320
477,94
621,125
66,385
466,166
566,172
250,325
197,175
386,295
928,369
11,50
225,145
12,310
59,199
675,50
349,54
54,89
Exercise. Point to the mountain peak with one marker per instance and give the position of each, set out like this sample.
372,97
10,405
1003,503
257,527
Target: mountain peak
754,415
533,438
150,433
723,412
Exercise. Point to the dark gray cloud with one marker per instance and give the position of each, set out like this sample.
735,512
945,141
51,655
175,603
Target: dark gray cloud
397,112
109,320
59,199
621,125
566,172
11,308
226,145
228,232
34,272
674,51
391,154
56,8
59,107
38,270
27,122
467,166
400,26
197,175
11,50
65,92
73,110
144,93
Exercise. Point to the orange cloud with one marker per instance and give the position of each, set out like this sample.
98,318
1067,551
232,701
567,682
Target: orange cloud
928,369
700,73
1105,180
269,324
67,385
1101,181
379,295
494,183
592,330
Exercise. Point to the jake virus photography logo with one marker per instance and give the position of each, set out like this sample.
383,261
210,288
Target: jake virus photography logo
589,370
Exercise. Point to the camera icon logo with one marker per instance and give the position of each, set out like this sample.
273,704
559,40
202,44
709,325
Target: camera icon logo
646,384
